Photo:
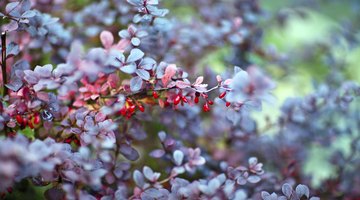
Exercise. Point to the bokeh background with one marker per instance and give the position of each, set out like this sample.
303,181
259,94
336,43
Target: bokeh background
300,43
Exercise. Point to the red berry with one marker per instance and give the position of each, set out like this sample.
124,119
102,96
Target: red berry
155,95
24,123
131,109
196,100
98,196
228,104
184,99
68,140
177,100
130,103
76,141
206,107
19,119
222,95
30,124
36,118
210,102
11,134
141,108
123,111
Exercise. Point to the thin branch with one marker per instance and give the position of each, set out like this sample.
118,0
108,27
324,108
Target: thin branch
144,92
3,62
211,89
139,93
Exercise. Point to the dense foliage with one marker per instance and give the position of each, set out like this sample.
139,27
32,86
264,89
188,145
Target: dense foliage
122,99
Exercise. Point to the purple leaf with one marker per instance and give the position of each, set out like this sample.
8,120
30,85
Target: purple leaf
153,193
143,74
135,54
253,179
13,25
135,41
302,190
31,77
44,71
107,39
11,6
129,69
28,14
16,81
63,69
137,18
178,157
15,84
12,49
124,34
138,178
287,190
136,83
182,84
135,2
150,175
25,5
129,152
141,34
147,63
153,2
267,196
157,153
178,170
252,161
170,71
162,136
199,80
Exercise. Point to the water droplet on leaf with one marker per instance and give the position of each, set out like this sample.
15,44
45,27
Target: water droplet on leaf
46,115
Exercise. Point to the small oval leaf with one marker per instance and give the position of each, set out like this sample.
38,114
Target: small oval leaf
28,14
107,39
135,54
178,157
143,74
136,83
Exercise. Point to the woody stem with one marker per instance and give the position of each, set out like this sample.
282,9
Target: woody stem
3,62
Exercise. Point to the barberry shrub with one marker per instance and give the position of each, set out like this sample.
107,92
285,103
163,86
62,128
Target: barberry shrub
112,100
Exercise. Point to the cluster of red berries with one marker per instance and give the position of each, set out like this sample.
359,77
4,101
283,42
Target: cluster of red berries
180,99
208,102
30,120
9,190
71,139
130,107
206,107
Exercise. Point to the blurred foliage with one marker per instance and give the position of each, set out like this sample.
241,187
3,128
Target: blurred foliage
26,190
302,38
307,39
